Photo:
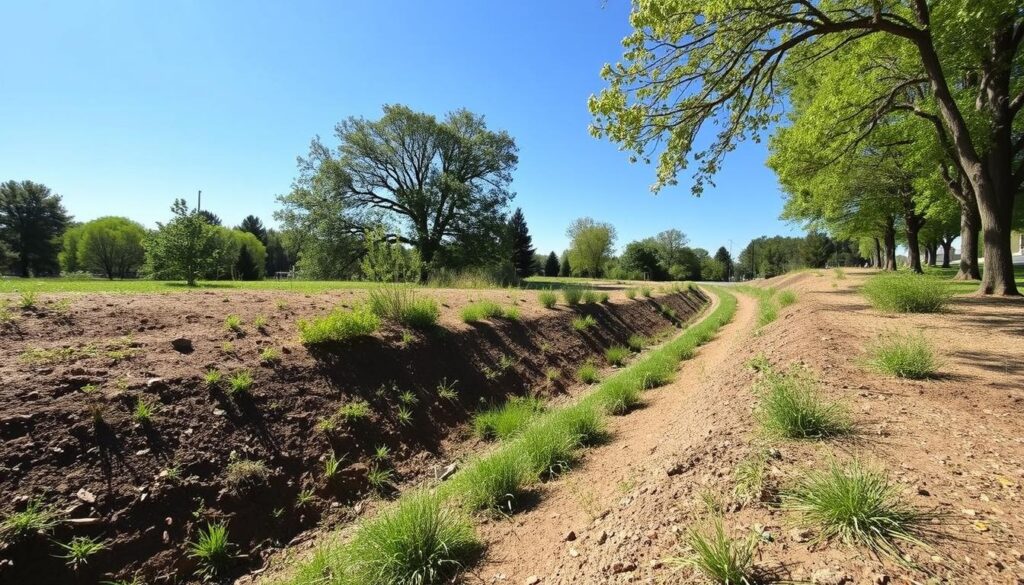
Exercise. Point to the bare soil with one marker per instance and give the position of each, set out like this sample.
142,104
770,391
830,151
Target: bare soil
954,444
145,489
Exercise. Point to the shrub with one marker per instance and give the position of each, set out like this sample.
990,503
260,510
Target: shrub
636,343
903,355
246,474
493,482
79,549
583,323
481,310
720,558
857,506
790,407
507,420
339,326
786,298
419,541
572,295
401,304
36,518
621,394
547,299
240,382
211,549
905,292
233,323
588,374
616,355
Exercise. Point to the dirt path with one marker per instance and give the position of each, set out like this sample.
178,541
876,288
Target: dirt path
571,536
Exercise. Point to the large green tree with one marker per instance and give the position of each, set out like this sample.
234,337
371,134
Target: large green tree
32,220
112,246
185,247
521,243
691,62
318,231
590,245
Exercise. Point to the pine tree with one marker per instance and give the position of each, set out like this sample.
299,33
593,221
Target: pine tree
522,245
245,266
551,266
254,226
565,269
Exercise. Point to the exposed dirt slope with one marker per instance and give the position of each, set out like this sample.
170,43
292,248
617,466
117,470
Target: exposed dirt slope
954,444
145,488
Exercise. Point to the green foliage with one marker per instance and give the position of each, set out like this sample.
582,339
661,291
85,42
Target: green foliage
904,355
621,394
212,549
791,407
446,389
332,465
36,518
233,323
481,310
905,292
112,246
387,261
617,355
857,506
510,313
631,293
588,374
244,475
213,378
767,311
636,343
240,382
143,412
507,420
751,475
401,304
786,298
583,323
32,220
78,550
270,356
186,247
379,478
590,244
552,266
494,482
547,298
572,295
521,243
339,326
354,411
27,301
646,291
718,557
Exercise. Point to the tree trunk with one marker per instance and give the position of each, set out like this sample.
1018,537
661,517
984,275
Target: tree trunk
998,277
927,254
878,254
947,250
889,245
933,252
970,225
913,249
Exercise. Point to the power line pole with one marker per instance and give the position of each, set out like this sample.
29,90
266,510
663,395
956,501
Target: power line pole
199,200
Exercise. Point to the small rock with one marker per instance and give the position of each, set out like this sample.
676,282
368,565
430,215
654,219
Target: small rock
800,535
532,580
675,469
621,567
182,345
602,538
156,383
86,496
448,471
570,536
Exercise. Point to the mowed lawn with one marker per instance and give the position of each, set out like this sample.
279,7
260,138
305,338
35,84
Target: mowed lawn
964,287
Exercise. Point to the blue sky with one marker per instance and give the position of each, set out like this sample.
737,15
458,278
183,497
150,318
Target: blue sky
122,106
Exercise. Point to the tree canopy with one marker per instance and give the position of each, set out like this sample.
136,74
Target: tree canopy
32,221
591,244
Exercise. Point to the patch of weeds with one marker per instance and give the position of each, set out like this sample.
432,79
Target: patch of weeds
27,301
212,550
759,363
339,326
583,323
354,411
655,371
281,305
144,411
304,498
511,313
572,295
588,374
721,559
240,382
270,356
621,394
905,292
590,296
379,478
505,421
767,311
631,293
78,550
857,506
791,407
446,390
404,415
617,355
636,343
750,475
407,337
233,323
401,304
493,482
506,362
839,273
213,378
227,347
408,397
382,453
646,291
244,475
712,502
547,298
904,355
6,316
552,375
36,518
786,298
549,448
259,322
481,310
332,465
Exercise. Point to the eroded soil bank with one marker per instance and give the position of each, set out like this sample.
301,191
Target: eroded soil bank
75,369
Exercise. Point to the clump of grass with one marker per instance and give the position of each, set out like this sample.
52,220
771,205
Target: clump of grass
767,311
404,415
583,323
547,298
493,482
270,356
759,363
354,411
507,420
143,411
646,291
630,293
572,295
549,448
905,292
332,465
750,476
636,343
408,397
839,273
244,475
36,518
857,506
511,313
379,478
418,541
655,371
78,550
213,378
790,407
339,326
590,296
481,310
446,390
904,355
786,298
6,316
718,557
382,453
588,374
233,323
617,355
259,322
621,394
240,382
212,549
27,300
552,374
402,305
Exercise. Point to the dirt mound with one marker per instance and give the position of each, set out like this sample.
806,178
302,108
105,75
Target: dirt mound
76,369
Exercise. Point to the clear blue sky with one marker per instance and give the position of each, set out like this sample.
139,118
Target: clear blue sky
121,106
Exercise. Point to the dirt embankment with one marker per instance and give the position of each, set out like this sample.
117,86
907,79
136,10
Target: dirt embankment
953,444
75,369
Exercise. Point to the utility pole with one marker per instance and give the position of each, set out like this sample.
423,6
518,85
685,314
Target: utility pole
199,200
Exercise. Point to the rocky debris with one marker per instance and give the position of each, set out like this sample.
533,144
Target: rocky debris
532,580
621,567
570,536
800,534
182,345
448,471
86,496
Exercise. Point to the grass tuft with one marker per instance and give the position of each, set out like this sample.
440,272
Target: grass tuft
240,382
233,323
244,475
786,298
400,304
505,421
791,408
617,355
583,323
494,482
78,550
905,292
572,295
212,549
588,374
718,557
547,298
481,310
904,355
636,343
339,326
36,518
621,394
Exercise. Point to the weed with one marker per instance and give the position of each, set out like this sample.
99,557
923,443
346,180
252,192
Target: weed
721,559
404,416
646,291
379,478
572,295
590,296
240,382
588,374
36,518
549,447
354,411
902,355
259,322
552,375
759,363
233,323
857,506
400,304
547,299
583,323
507,420
791,408
89,388
839,273
143,412
212,549
712,502
213,378
281,305
511,313
636,343
655,371
227,347
408,397
506,362
339,326
382,453
786,298
617,355
630,293
905,292
304,498
750,477
767,311
78,550
446,389
481,310
270,356
244,475
621,394
493,482
27,301
407,337
6,316
332,465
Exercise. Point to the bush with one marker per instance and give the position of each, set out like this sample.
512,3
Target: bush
621,394
339,326
480,310
903,355
905,292
493,482
547,298
791,408
583,323
721,559
786,298
401,304
572,295
508,419
617,355
212,549
419,541
856,506
588,374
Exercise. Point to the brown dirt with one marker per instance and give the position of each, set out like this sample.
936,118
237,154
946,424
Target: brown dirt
954,444
116,349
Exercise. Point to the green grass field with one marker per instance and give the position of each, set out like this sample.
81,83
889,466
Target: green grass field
963,287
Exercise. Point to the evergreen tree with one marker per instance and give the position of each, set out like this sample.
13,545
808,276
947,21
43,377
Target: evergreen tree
725,259
210,217
551,267
565,269
254,226
245,266
32,220
522,245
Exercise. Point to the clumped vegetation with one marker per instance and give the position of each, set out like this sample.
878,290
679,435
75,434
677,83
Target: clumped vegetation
494,482
617,355
507,420
240,382
791,407
588,374
750,476
244,475
718,557
233,323
481,310
78,550
622,394
856,505
400,304
572,295
547,298
339,326
583,323
904,292
36,518
786,298
904,355
212,550
636,343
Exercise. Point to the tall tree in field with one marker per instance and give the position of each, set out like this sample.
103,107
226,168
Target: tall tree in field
689,62
551,266
68,256
725,259
185,247
590,245
565,266
254,226
439,179
522,245
32,220
112,246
